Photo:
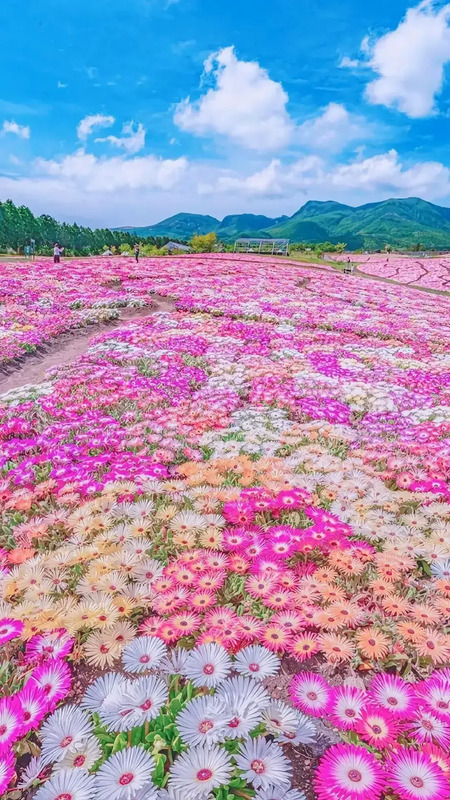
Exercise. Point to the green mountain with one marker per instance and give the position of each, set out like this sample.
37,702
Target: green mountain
180,226
398,222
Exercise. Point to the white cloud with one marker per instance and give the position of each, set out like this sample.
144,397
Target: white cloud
62,85
94,174
333,129
349,63
379,176
10,126
410,61
132,140
244,104
87,124
386,172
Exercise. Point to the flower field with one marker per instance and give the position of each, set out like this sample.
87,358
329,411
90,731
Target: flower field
429,273
225,537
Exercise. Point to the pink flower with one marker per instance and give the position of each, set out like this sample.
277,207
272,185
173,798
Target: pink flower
347,772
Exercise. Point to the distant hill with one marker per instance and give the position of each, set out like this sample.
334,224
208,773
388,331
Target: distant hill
398,222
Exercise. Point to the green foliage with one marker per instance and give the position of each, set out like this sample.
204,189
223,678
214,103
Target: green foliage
203,243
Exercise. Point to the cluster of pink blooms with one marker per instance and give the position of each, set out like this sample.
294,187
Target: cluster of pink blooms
267,464
46,680
388,722
429,273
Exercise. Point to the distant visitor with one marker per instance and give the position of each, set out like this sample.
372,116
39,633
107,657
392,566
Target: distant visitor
136,252
57,250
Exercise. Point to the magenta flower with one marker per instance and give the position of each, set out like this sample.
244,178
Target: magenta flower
34,705
11,721
6,769
10,629
54,679
311,693
413,776
347,772
54,644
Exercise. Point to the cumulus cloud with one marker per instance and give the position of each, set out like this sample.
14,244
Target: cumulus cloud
333,129
87,124
111,174
410,61
378,176
132,139
244,104
10,126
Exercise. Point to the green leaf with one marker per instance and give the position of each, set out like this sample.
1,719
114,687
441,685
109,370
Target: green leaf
119,743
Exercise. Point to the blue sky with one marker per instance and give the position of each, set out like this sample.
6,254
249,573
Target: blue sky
126,111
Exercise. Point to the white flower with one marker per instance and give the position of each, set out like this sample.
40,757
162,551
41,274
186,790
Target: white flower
83,756
125,773
174,662
203,721
280,718
246,701
31,773
279,794
105,690
62,731
199,771
143,653
141,702
69,784
207,665
264,764
257,662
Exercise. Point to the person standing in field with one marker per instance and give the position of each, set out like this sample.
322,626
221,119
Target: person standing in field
136,253
57,250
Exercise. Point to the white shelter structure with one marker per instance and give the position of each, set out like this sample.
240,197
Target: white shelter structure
279,247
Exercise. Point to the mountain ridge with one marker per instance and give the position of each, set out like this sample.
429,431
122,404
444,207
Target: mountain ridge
395,221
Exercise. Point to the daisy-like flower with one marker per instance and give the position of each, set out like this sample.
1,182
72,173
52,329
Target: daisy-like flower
11,721
434,645
174,662
82,756
276,638
264,764
347,703
436,694
54,644
279,718
303,646
372,643
143,653
276,793
63,730
199,771
68,784
53,678
349,772
141,702
185,623
101,650
257,662
393,694
203,721
336,648
6,769
245,702
34,705
425,726
103,692
123,774
207,665
413,776
310,693
377,727
10,629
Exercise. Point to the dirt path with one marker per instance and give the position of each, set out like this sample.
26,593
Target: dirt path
70,345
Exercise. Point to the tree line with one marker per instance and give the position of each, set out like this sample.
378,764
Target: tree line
18,226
